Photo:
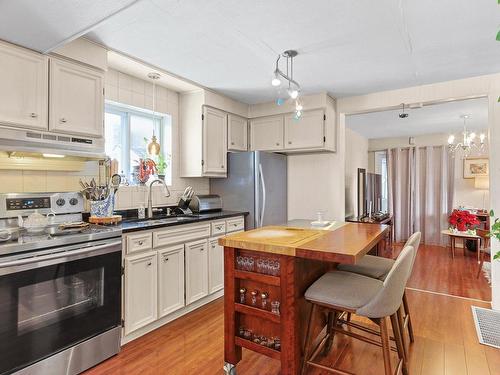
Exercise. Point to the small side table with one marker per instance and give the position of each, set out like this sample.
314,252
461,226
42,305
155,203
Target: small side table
463,236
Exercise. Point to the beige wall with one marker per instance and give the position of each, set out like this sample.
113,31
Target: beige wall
125,89
356,156
465,194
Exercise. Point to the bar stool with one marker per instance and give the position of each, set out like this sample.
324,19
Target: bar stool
339,292
378,268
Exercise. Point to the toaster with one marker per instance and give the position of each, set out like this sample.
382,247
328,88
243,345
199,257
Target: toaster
206,203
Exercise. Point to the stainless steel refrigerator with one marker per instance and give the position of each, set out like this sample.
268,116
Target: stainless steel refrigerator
256,182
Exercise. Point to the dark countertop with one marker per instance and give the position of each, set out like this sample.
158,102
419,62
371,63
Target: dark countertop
144,224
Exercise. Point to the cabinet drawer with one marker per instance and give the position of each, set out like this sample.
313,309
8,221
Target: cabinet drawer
235,224
181,233
138,242
218,227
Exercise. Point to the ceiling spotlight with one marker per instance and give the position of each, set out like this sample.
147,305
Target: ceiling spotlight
403,114
294,94
276,81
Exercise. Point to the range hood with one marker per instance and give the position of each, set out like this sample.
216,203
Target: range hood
34,141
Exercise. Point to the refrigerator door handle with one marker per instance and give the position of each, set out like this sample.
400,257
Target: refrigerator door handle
263,196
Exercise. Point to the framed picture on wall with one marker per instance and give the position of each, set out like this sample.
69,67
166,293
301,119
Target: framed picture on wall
476,167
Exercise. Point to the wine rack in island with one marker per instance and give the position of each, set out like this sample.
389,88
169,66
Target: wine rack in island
263,302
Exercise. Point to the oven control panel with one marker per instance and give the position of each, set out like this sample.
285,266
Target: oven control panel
12,205
27,203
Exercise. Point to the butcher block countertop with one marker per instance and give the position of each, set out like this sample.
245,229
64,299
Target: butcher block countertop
340,242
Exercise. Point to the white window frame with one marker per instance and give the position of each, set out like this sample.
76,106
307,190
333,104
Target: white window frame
126,112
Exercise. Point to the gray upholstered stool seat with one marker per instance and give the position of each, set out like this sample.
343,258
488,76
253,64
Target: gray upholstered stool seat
369,265
378,267
344,289
339,292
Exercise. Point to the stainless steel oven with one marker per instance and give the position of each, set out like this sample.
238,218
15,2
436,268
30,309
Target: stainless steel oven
60,289
55,299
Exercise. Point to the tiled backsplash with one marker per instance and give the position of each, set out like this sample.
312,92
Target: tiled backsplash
130,197
25,181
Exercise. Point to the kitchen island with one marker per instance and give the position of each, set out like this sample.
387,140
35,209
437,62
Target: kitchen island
266,273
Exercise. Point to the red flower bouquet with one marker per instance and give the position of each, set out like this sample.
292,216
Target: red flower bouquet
463,220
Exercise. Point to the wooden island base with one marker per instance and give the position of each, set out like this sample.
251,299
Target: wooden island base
256,328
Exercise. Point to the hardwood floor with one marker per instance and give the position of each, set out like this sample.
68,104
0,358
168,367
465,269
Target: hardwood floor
445,343
436,271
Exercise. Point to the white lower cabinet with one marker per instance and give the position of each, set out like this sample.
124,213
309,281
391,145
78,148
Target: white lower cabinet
140,290
170,280
215,265
164,274
196,270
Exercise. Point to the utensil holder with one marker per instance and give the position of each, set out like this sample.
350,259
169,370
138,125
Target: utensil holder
103,208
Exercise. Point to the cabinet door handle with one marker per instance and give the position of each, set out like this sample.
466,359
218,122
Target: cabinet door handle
33,115
222,166
141,242
289,142
149,264
277,144
165,259
232,143
63,120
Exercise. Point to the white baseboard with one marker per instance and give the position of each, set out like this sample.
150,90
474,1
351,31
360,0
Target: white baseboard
170,317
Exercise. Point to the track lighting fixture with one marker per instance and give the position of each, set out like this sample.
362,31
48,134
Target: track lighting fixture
293,89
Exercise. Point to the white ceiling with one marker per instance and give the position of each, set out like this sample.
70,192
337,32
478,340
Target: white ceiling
431,119
43,25
345,47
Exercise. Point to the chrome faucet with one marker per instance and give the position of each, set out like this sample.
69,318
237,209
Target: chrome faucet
150,200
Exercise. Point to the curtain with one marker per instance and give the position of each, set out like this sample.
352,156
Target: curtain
420,191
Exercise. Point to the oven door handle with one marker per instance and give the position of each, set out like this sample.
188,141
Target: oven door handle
58,255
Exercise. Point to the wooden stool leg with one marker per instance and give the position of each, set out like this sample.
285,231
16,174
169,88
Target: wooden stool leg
308,340
348,317
401,324
386,347
398,337
478,247
407,313
333,318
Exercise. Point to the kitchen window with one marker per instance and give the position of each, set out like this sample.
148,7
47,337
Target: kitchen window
127,133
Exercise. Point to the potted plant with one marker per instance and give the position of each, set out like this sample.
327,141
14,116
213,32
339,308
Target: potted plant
463,221
495,231
161,166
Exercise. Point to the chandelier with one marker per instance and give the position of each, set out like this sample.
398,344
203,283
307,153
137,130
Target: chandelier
468,142
292,86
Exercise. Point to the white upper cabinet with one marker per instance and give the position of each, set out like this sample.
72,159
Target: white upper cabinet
170,280
214,142
237,132
308,132
23,88
76,99
266,133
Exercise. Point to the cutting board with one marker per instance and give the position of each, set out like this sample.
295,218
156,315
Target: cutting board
281,235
